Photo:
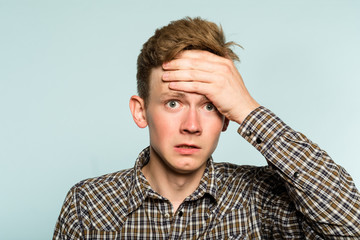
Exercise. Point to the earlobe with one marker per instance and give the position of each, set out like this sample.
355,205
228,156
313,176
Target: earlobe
226,124
137,108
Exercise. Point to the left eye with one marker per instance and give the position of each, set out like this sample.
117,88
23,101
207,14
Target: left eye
209,107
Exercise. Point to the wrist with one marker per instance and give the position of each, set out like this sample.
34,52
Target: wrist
251,106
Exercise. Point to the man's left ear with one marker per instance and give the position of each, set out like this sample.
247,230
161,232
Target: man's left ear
226,124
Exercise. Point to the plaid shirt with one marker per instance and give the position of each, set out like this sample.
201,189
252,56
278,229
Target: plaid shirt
301,194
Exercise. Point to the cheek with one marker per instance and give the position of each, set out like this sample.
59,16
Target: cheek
215,123
161,127
213,129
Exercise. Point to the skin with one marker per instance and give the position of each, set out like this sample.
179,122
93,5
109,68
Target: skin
191,100
214,77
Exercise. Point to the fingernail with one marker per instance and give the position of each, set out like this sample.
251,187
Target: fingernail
165,76
165,64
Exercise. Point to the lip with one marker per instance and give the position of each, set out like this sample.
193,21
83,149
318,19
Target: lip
187,149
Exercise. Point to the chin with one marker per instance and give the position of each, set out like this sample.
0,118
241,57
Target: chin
189,168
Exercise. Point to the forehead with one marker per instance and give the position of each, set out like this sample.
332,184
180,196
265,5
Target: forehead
156,85
155,76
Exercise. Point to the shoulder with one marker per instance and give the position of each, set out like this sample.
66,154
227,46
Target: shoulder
99,201
244,172
248,182
114,185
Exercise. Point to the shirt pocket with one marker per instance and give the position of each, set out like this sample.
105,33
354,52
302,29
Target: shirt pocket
232,225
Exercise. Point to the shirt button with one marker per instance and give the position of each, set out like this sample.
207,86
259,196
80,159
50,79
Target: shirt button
258,140
180,213
296,174
167,215
248,133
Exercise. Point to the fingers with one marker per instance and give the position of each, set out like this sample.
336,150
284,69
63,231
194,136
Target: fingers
199,60
194,65
200,54
188,76
215,77
198,72
189,63
205,83
191,87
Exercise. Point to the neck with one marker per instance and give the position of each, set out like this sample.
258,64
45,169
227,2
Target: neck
173,185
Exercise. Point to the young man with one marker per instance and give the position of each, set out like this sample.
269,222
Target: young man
189,90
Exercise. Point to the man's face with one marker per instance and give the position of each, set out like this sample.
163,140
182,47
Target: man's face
184,127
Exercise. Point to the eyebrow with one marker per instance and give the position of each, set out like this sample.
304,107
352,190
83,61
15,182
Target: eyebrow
172,95
180,95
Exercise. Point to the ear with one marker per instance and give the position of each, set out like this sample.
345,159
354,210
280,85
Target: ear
226,124
137,108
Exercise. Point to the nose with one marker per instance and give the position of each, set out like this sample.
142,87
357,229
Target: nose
191,122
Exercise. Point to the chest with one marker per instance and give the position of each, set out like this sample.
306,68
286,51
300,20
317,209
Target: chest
193,220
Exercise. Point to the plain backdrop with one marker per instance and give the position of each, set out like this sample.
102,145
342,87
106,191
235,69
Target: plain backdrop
67,71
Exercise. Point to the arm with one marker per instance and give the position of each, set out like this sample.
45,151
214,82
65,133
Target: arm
68,225
320,189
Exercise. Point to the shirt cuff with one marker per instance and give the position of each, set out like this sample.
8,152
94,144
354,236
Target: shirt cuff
261,127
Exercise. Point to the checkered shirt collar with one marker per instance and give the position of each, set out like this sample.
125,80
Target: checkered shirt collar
141,188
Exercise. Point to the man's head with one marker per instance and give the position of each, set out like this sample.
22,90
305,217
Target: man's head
184,127
169,41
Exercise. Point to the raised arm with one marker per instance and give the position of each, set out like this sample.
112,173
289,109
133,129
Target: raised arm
322,191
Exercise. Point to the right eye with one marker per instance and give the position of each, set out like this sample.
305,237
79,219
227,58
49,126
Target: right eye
172,104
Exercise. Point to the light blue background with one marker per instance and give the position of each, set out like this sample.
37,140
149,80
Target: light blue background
67,70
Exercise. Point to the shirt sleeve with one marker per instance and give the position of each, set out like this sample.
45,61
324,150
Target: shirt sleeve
69,223
322,191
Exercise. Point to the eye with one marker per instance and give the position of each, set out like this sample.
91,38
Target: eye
172,104
209,107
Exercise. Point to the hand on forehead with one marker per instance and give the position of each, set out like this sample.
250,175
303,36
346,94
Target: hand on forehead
195,60
215,77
